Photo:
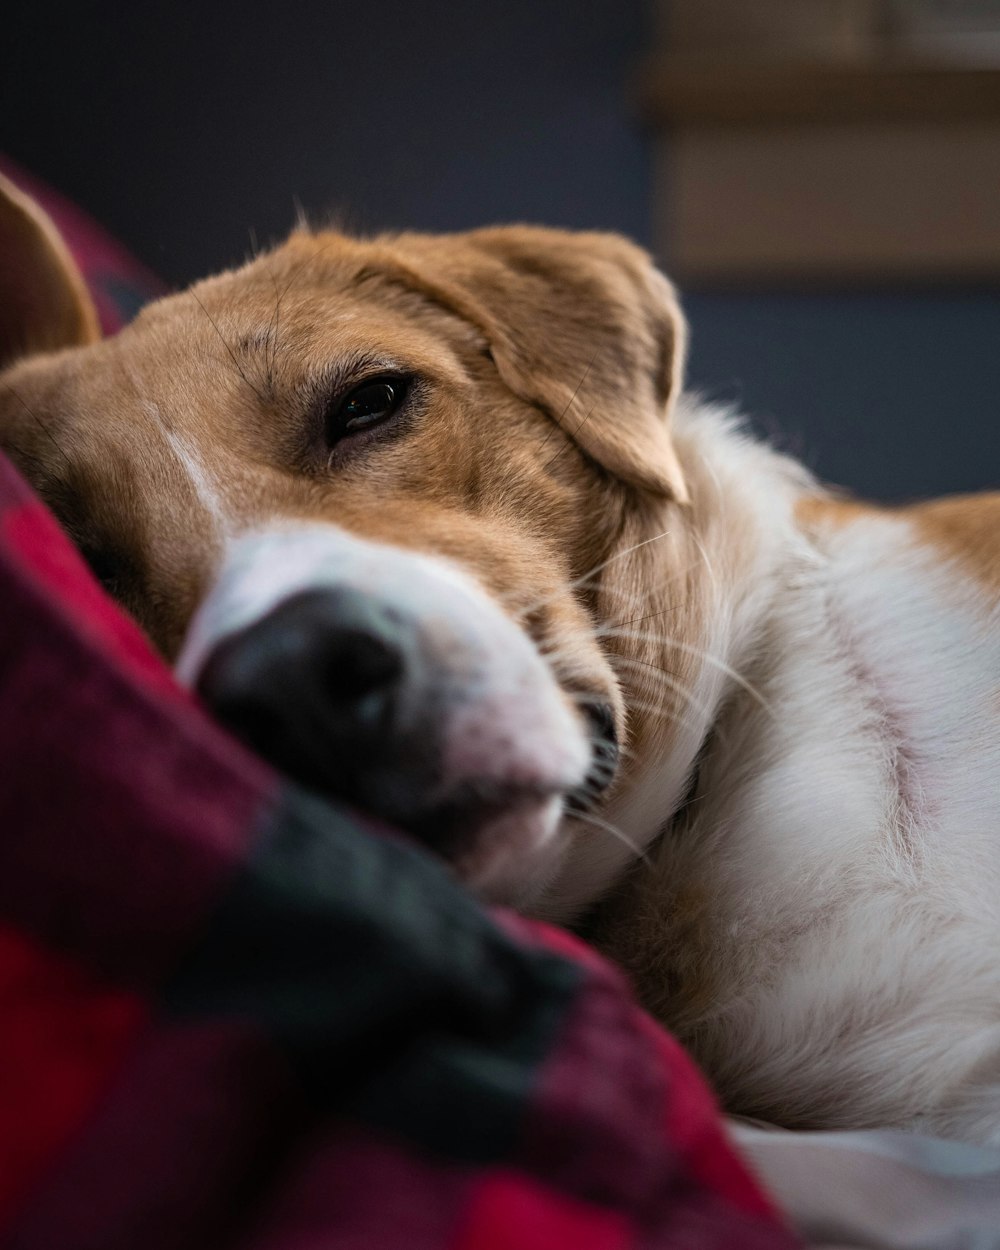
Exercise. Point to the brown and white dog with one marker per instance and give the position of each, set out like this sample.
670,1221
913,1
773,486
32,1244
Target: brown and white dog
428,522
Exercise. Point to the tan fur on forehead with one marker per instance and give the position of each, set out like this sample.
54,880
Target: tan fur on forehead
199,396
581,324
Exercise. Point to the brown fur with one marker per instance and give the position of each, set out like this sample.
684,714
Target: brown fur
819,512
965,528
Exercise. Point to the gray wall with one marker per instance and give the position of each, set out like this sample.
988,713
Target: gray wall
183,130
893,395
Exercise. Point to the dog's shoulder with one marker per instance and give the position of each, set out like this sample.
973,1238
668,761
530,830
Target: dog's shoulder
956,532
965,530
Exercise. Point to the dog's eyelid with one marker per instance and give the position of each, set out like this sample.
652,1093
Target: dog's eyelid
369,403
328,383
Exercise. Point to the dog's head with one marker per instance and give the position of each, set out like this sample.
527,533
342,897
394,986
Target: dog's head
372,497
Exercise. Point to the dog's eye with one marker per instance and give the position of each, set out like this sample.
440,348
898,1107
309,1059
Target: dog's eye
367,405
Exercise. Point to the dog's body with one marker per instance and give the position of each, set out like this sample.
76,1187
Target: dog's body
821,923
424,521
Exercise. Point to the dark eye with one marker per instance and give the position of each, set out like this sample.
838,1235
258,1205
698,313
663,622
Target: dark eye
365,406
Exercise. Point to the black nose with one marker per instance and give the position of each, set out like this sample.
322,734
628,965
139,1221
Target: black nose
315,686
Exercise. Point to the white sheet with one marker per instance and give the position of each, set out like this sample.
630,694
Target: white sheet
882,1190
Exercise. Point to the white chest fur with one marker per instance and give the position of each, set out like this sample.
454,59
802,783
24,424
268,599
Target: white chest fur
822,926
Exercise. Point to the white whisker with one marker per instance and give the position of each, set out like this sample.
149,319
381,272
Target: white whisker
709,569
700,653
615,832
585,578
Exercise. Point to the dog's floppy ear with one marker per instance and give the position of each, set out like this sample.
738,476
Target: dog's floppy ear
585,326
44,304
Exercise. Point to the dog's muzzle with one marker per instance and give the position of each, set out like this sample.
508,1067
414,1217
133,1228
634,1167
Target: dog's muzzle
412,697
331,687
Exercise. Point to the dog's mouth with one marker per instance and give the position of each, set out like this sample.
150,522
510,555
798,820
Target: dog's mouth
443,721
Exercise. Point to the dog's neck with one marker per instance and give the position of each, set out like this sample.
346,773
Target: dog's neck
724,561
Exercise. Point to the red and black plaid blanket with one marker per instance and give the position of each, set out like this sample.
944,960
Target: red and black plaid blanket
234,1016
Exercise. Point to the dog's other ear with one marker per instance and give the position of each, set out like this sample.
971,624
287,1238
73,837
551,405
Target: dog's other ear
585,326
44,304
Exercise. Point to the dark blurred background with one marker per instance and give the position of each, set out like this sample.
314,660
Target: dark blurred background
192,132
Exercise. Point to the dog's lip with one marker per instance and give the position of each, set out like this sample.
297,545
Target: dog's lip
480,824
481,844
477,803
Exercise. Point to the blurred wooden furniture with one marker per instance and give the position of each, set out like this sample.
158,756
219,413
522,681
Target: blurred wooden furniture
827,140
